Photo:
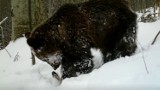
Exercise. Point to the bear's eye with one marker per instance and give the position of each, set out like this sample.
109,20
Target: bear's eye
36,43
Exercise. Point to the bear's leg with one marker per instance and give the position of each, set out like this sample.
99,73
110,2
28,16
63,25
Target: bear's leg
127,45
77,58
73,66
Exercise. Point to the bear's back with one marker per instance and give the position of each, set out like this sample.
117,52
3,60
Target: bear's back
109,20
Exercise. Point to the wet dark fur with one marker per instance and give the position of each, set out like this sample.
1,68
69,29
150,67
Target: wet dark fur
109,25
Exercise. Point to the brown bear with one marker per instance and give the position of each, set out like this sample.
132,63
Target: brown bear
66,38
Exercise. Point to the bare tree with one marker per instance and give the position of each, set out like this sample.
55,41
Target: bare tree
5,10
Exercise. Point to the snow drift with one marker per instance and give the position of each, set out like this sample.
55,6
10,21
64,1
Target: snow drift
125,73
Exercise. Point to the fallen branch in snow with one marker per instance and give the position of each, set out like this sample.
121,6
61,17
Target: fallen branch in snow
155,38
144,61
16,57
7,52
39,72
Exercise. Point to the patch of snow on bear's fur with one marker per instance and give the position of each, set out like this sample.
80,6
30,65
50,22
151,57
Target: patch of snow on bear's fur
56,58
97,57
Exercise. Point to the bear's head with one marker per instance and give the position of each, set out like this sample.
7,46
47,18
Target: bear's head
45,44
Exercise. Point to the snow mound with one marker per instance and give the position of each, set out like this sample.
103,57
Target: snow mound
125,73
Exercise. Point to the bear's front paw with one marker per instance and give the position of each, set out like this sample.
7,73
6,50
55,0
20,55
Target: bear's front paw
55,75
55,81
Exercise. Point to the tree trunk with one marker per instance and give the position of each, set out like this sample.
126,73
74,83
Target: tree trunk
20,18
30,27
5,11
26,15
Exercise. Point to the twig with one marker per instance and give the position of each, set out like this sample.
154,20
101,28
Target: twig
144,61
2,30
16,57
7,52
2,35
41,76
3,20
155,38
33,59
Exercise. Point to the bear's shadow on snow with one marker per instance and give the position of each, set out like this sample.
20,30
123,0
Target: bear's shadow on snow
66,38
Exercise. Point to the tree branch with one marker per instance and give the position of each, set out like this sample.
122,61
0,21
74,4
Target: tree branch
7,52
155,38
144,61
3,20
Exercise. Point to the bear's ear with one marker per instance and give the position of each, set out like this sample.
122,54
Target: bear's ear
30,42
27,34
36,43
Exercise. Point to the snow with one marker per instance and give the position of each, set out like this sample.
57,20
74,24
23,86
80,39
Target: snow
125,73
98,57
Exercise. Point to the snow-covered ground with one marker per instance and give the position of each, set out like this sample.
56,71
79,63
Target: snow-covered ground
125,73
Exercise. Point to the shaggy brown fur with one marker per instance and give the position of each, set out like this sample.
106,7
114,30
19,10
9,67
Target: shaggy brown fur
74,29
